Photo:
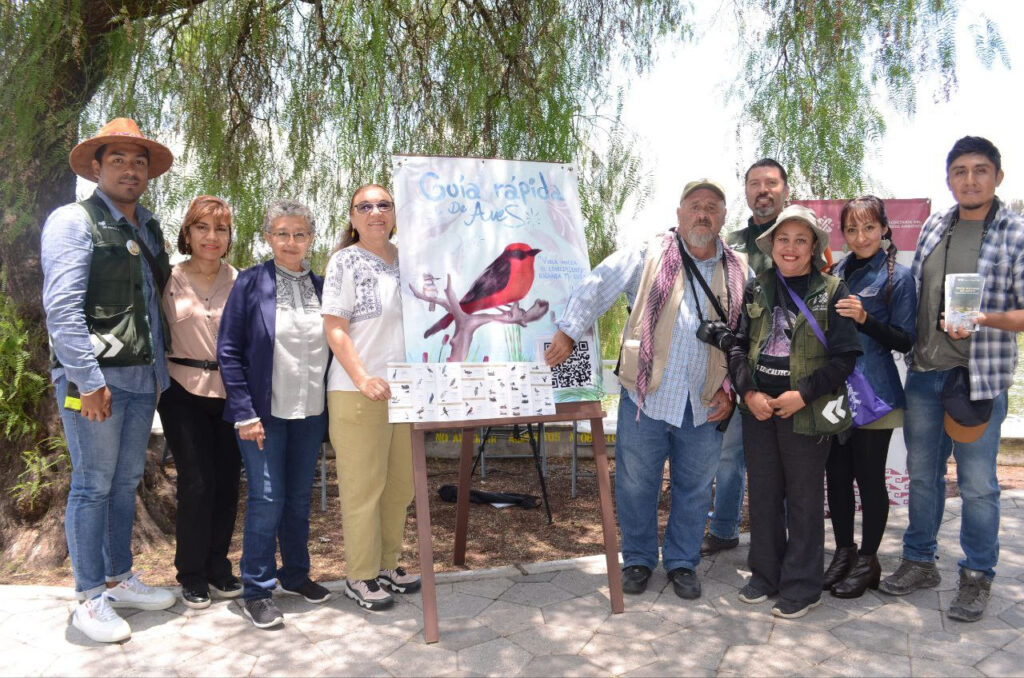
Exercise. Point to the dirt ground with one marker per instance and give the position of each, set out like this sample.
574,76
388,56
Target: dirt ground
496,536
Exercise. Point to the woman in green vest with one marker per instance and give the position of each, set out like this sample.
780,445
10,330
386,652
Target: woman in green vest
793,355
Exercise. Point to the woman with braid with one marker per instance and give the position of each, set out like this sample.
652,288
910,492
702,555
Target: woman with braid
883,303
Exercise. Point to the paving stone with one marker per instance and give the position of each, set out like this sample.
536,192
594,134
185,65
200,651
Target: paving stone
498,657
1015,646
686,614
455,605
587,612
989,630
871,637
508,618
1011,589
561,665
25,660
484,588
861,662
216,621
618,655
220,661
420,660
328,622
507,571
539,594
812,646
762,660
1000,663
416,599
947,647
579,583
691,653
905,617
152,626
364,645
401,620
161,652
728,571
457,634
668,669
536,577
823,617
38,628
256,642
736,631
284,665
100,661
1014,616
552,640
640,625
939,669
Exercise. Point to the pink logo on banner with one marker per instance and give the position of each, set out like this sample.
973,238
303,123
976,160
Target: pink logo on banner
906,216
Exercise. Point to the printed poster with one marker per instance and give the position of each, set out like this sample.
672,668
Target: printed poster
490,251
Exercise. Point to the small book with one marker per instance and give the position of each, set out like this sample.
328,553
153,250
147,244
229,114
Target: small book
963,300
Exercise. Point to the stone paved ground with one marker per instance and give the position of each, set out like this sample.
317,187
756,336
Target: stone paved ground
554,619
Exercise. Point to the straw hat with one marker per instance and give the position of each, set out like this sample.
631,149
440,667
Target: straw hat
123,130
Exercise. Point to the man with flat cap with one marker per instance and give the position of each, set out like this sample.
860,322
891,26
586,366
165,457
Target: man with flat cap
684,289
104,267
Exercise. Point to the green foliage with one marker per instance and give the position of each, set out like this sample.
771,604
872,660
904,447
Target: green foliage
43,464
20,388
812,69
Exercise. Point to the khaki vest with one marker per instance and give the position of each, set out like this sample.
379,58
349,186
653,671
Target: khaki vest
717,369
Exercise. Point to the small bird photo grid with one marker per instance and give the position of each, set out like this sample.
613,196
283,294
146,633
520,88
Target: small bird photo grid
467,391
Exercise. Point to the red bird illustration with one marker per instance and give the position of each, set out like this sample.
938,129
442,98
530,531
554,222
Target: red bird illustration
506,280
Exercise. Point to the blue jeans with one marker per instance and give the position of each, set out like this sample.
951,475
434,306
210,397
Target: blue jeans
928,450
640,452
730,482
107,461
280,480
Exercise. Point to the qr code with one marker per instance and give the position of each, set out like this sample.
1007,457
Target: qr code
576,370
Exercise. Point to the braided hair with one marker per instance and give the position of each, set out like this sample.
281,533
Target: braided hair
873,208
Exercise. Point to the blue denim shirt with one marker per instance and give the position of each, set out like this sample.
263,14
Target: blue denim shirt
869,284
66,250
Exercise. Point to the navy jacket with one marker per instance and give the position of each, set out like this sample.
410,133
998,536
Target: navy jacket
869,283
245,347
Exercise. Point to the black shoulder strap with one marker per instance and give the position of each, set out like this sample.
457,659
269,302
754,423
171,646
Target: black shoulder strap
692,272
95,207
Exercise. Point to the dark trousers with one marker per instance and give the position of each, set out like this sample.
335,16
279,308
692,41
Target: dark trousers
208,464
785,485
861,458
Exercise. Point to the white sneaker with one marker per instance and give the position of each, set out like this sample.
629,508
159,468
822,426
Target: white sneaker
97,620
133,593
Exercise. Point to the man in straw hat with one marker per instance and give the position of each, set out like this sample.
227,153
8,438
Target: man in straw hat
684,287
959,375
104,266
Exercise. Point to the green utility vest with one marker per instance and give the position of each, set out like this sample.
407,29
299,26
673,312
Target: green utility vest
824,416
115,301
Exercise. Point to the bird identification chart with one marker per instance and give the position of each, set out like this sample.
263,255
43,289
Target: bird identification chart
490,251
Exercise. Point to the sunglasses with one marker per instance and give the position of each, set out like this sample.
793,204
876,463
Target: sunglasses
367,207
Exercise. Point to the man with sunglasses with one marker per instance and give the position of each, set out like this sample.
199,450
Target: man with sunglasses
953,369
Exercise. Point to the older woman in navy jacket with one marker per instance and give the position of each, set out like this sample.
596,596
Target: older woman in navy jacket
273,357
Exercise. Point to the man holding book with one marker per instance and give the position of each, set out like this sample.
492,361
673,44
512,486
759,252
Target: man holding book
959,375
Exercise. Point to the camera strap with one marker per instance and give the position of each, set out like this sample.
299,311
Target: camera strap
692,271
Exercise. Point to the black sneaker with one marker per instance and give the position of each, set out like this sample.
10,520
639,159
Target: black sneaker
790,609
634,579
711,544
971,597
685,583
263,612
196,596
910,576
311,591
752,595
230,588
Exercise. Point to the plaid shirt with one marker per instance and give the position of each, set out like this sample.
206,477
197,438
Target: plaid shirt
686,367
1001,264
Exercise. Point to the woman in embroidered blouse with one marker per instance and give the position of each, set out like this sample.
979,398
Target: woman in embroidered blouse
204,447
883,303
790,382
363,322
273,358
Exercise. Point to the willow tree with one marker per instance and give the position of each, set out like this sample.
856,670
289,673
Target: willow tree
310,97
813,69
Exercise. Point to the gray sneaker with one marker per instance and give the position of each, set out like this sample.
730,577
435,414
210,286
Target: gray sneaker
971,597
910,576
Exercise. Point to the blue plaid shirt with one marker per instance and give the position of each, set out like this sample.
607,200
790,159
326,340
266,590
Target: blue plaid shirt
1001,264
686,367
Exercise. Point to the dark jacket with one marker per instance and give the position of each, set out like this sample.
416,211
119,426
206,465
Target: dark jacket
245,347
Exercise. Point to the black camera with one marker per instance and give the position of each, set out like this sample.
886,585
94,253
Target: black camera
717,334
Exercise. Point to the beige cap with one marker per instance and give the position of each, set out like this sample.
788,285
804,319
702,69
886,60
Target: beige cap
703,183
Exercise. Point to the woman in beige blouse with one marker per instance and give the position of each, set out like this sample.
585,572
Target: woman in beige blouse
204,445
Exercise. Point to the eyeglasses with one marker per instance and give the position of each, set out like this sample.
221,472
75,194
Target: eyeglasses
367,207
299,238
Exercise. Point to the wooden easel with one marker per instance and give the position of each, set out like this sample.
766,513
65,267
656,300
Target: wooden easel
563,412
